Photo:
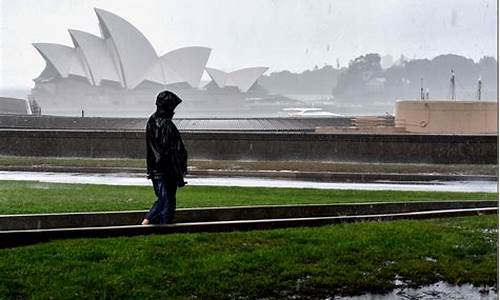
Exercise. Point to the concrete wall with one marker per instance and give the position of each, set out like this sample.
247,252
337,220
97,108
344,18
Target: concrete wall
13,106
394,147
447,116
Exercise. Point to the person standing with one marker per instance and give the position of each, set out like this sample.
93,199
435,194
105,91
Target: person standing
166,159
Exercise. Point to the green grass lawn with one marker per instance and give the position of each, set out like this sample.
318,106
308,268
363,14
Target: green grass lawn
71,161
37,197
321,262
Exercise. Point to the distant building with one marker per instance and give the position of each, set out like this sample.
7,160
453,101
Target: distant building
242,79
120,72
13,106
386,61
121,57
447,116
376,85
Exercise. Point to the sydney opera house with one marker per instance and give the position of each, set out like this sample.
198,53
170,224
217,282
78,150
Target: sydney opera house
119,73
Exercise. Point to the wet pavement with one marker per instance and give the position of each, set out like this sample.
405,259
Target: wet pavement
140,180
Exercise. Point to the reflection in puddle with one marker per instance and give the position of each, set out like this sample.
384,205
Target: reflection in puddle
440,290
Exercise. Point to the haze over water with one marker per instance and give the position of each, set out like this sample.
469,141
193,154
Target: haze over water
302,37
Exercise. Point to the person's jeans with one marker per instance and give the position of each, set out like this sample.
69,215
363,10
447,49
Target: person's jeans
163,209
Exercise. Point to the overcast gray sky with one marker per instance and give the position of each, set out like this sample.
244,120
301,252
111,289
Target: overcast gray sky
282,34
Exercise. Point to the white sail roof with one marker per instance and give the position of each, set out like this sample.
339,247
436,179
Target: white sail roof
97,56
180,65
123,55
243,79
163,74
218,76
135,53
187,62
64,59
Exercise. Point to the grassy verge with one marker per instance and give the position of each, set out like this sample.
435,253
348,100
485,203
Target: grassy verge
71,162
36,197
321,166
309,263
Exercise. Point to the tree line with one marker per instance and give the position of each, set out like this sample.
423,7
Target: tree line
365,79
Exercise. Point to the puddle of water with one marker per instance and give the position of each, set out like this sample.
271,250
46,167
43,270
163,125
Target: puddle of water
440,290
138,179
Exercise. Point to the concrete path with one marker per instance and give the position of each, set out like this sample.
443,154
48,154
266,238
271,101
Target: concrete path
323,176
140,180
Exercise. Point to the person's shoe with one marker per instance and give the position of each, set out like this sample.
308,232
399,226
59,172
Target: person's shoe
145,222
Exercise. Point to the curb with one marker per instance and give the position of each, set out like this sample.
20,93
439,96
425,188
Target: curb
217,214
25,237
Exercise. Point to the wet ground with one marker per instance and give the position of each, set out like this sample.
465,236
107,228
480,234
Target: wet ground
440,290
139,179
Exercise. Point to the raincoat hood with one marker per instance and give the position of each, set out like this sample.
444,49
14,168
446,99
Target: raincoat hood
167,101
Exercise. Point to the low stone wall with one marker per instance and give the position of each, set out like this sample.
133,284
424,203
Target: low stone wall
220,214
363,147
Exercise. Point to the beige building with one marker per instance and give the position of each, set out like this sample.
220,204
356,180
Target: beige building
447,116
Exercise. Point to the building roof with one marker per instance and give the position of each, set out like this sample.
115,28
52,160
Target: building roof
226,124
243,79
123,54
135,52
96,55
187,62
65,60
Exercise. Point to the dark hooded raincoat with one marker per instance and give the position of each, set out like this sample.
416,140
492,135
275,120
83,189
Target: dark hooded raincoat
166,155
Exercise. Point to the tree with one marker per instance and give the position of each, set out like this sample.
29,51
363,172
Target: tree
360,71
